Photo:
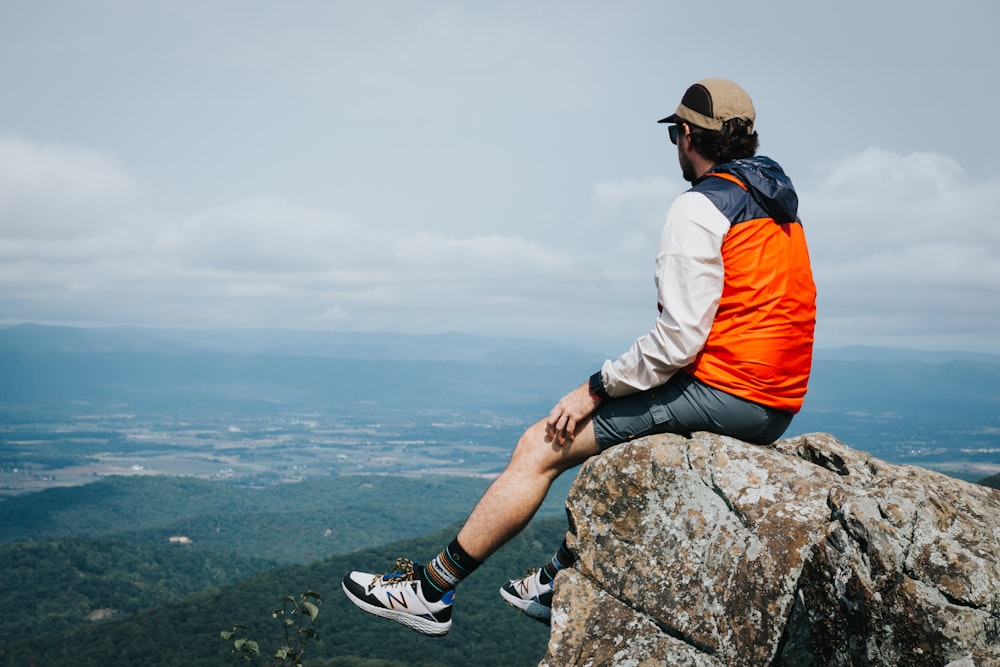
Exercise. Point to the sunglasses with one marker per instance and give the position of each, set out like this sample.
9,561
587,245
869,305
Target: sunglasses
675,131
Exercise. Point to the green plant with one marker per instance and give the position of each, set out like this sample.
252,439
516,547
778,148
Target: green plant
244,649
297,616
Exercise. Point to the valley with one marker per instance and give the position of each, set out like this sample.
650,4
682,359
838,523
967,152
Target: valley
246,448
188,480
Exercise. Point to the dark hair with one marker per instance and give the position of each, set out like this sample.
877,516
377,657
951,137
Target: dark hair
731,143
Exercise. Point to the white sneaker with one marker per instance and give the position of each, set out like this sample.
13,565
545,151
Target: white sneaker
530,595
398,596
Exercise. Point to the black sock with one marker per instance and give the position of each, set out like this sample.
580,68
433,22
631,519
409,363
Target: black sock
446,570
563,558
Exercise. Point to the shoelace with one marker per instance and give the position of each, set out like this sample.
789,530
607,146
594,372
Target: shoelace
529,574
402,572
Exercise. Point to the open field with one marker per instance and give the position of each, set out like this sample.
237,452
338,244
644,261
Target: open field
248,449
261,449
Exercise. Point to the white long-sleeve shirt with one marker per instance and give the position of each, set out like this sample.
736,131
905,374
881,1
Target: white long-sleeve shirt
689,280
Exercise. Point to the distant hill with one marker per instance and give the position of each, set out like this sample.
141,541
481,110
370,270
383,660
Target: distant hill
372,346
907,411
40,365
880,355
992,481
376,346
44,366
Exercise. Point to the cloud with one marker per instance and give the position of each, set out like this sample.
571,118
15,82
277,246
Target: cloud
66,213
905,248
329,254
54,190
262,235
260,261
911,241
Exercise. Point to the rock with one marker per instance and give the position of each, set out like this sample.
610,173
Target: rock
710,551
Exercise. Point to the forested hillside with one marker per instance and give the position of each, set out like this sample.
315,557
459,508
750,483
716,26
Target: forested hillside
288,523
55,586
486,631
79,556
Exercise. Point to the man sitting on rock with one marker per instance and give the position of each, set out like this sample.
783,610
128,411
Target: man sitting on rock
730,353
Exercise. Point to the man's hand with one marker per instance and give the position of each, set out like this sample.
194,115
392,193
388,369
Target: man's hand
571,409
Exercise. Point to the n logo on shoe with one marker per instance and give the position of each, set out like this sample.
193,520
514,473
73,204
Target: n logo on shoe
392,600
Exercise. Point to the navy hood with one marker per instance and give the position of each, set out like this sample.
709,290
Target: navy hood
767,184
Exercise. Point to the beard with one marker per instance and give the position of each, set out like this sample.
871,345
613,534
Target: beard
687,169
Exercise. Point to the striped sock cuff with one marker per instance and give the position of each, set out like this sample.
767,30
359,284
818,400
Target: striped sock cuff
563,558
433,577
450,567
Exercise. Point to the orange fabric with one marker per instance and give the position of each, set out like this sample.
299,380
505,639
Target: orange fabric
760,346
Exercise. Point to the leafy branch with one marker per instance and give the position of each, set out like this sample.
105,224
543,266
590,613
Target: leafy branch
297,616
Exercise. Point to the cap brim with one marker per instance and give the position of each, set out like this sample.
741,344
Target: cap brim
672,118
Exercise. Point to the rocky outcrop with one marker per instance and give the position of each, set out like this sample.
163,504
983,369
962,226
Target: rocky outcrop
711,551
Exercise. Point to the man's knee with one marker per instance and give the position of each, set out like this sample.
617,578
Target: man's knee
531,446
539,453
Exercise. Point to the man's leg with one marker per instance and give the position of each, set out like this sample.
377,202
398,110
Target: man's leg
421,598
489,528
507,506
514,497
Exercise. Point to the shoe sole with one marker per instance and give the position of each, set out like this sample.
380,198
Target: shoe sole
533,609
421,625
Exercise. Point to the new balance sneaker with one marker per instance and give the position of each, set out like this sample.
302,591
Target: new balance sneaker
398,596
530,595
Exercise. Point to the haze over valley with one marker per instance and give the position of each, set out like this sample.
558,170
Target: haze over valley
262,407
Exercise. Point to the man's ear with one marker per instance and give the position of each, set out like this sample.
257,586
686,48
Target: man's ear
686,132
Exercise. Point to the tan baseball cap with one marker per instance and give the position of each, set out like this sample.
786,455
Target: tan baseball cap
711,102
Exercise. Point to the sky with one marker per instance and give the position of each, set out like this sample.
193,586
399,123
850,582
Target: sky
483,167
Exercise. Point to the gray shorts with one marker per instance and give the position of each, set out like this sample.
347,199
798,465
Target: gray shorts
685,405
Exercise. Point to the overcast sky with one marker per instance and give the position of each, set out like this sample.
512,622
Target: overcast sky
490,167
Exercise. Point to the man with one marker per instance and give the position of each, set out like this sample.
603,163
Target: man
730,353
